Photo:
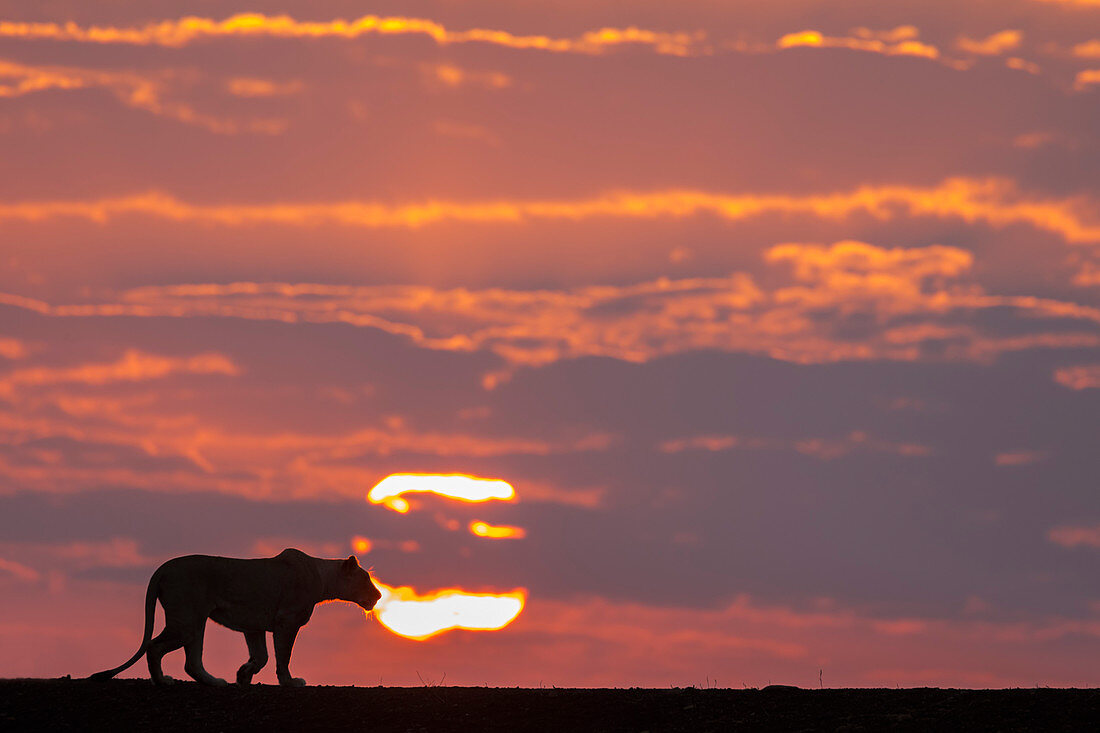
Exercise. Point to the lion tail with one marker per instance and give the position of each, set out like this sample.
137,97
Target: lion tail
150,610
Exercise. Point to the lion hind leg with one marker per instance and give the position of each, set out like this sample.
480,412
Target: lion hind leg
257,657
192,647
166,641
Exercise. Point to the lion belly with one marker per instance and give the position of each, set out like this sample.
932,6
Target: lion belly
240,618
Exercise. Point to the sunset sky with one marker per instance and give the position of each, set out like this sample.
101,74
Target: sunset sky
781,318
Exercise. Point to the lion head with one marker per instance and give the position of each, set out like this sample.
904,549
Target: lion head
354,584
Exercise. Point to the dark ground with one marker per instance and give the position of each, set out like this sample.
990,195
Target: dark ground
125,705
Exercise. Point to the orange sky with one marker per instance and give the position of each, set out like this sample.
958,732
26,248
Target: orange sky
783,322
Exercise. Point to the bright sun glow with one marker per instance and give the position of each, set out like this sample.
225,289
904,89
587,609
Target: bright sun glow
454,486
406,613
396,503
497,532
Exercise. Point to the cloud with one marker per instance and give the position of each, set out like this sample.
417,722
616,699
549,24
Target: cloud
905,300
454,77
133,366
864,267
825,449
1087,276
20,571
117,552
904,41
1087,49
466,132
1034,140
996,202
1079,377
252,87
12,349
144,91
1019,458
586,498
828,449
1086,79
901,41
1014,62
992,45
191,29
1078,3
163,441
1075,536
811,637
496,532
712,443
272,546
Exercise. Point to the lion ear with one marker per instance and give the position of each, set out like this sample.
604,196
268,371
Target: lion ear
350,564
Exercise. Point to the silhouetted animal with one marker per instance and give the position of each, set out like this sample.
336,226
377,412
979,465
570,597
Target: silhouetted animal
275,594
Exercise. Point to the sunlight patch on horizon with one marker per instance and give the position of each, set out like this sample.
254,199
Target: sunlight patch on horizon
416,616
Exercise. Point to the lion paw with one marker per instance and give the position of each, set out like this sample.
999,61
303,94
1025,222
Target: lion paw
293,682
217,682
165,680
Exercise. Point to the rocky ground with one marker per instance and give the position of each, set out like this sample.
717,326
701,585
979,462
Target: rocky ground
125,705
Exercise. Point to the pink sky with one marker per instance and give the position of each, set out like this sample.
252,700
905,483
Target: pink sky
783,321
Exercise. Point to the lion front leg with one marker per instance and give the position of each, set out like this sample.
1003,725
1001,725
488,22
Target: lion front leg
284,643
257,657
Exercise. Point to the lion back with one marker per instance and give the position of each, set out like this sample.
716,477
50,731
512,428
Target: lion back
303,587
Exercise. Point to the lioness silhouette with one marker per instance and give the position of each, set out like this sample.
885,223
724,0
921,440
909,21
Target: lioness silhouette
275,594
